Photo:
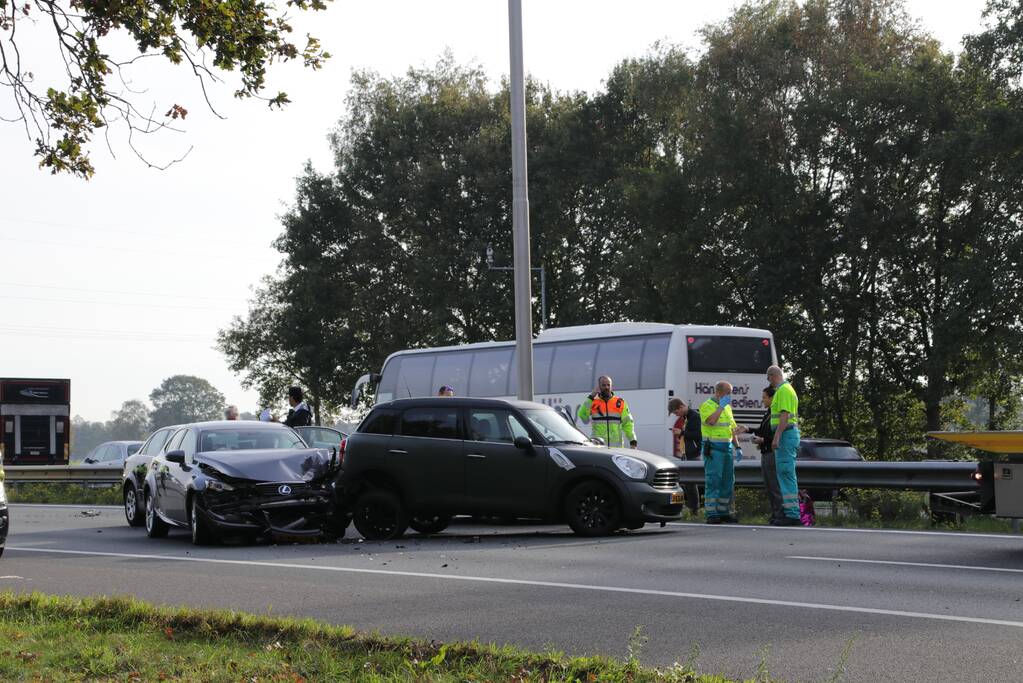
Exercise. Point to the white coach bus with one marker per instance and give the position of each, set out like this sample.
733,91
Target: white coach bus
648,362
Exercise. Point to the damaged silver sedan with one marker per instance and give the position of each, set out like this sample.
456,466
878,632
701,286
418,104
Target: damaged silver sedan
246,480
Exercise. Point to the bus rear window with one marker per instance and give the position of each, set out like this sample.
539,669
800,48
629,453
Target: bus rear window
750,355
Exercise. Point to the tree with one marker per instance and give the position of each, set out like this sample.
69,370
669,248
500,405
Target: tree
95,88
131,422
183,398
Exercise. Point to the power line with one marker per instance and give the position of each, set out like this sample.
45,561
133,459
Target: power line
116,231
123,292
90,335
115,303
138,250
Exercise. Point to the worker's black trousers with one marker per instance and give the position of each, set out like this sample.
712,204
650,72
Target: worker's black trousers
770,472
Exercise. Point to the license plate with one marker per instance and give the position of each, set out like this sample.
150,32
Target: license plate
678,497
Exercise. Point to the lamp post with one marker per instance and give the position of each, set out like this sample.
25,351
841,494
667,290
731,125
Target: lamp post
520,206
543,283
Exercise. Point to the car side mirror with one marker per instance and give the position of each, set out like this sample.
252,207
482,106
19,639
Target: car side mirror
597,440
89,460
523,442
176,456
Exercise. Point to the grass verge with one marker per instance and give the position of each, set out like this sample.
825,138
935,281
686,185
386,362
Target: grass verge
64,493
45,637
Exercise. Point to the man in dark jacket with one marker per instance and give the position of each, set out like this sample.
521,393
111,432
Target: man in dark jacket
299,414
762,436
690,441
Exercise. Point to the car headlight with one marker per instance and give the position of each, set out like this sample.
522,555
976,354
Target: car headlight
630,467
216,485
3,494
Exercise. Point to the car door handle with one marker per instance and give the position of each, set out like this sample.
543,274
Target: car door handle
478,456
399,452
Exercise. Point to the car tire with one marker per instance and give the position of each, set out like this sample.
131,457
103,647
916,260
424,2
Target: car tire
592,508
134,511
201,532
155,527
429,524
379,515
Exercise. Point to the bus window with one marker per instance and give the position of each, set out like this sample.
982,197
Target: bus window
620,359
490,373
542,354
655,361
751,355
572,369
415,376
452,369
389,380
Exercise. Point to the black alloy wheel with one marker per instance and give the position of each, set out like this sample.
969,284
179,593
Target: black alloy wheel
155,527
134,512
592,509
201,533
429,524
379,515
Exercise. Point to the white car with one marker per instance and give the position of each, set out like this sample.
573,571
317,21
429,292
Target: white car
108,454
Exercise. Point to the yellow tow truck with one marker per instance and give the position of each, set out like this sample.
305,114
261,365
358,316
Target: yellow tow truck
1000,480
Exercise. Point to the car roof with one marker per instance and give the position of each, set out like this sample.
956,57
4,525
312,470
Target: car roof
825,442
461,401
236,424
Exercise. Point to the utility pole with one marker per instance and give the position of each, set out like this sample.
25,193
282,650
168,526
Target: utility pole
520,207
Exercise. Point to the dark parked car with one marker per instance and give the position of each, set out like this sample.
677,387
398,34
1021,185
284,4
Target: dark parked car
418,462
249,479
134,476
826,450
830,450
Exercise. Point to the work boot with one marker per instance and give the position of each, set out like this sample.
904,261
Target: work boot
787,521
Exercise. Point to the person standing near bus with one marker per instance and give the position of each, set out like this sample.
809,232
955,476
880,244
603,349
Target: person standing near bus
610,414
718,432
683,446
785,443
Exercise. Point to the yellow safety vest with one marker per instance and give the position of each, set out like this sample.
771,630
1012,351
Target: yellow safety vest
722,431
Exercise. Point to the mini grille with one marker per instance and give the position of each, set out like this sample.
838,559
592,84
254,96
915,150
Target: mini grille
665,479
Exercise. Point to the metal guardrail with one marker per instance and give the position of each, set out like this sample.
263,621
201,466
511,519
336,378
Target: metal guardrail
937,477
33,474
914,476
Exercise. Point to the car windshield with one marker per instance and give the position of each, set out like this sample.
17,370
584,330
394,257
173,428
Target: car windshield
248,439
554,428
321,437
834,452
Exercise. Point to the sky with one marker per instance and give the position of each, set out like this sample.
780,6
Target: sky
123,280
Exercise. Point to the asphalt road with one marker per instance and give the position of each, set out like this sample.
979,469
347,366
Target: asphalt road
903,606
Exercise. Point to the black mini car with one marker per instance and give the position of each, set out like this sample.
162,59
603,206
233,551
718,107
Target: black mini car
418,462
247,479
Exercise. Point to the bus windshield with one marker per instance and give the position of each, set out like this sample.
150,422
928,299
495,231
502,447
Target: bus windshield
744,355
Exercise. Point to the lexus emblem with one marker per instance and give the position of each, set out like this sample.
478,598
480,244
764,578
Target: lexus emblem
284,489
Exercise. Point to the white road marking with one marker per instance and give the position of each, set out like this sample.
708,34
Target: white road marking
849,530
907,564
11,576
543,584
66,505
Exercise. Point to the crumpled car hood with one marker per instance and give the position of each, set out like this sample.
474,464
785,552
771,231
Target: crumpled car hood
269,465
